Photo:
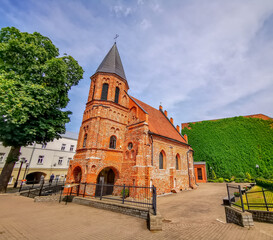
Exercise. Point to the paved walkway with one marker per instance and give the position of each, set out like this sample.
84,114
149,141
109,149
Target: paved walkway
195,214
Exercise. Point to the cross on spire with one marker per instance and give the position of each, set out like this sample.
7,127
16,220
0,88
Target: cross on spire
116,37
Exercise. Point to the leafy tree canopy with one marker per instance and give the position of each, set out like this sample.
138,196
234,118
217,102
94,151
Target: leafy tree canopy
34,85
234,146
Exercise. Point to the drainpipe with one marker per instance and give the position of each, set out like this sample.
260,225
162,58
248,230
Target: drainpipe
188,167
152,150
30,158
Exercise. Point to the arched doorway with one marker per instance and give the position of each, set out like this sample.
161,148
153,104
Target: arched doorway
106,177
77,174
34,177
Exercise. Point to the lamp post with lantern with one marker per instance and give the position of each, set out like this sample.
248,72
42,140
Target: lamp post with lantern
23,160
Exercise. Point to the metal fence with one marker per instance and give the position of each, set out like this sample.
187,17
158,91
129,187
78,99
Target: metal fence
235,196
138,196
262,200
44,188
249,200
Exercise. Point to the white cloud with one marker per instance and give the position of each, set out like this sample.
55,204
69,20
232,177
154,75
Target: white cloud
202,59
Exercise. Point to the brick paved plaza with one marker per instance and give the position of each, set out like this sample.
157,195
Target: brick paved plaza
195,214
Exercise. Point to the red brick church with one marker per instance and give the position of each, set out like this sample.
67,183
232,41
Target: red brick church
123,140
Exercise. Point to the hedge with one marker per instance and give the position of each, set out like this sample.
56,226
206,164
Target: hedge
264,183
234,146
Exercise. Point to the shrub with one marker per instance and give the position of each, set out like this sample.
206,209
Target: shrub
227,180
241,175
214,177
220,180
126,193
248,177
264,183
239,180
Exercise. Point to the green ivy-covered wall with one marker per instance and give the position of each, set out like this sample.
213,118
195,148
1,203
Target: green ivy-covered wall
233,146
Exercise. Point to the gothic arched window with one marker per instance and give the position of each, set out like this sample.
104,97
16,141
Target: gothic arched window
84,140
104,91
177,162
113,141
117,95
161,164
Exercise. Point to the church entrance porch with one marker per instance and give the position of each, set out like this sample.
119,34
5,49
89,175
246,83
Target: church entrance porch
106,179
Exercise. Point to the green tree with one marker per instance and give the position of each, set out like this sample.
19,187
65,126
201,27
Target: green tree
34,85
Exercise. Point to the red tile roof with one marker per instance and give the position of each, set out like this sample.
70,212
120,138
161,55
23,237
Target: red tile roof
159,123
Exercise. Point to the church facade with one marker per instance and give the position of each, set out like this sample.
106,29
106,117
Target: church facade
122,140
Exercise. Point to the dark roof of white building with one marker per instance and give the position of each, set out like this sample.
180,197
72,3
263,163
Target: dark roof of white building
70,135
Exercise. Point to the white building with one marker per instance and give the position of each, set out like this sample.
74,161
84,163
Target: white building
43,160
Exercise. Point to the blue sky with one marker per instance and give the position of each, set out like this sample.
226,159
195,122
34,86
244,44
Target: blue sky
203,59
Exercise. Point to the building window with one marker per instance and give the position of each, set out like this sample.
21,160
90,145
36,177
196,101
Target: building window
117,95
104,91
68,160
177,162
40,160
60,161
63,147
161,163
71,148
130,146
44,145
2,155
84,140
113,141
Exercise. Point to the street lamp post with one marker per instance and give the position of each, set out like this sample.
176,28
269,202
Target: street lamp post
26,170
23,160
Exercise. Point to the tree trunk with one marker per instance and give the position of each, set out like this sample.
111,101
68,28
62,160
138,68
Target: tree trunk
8,168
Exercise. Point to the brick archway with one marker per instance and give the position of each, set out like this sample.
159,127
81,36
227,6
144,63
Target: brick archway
77,174
108,177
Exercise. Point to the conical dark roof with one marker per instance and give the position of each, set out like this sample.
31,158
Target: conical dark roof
112,63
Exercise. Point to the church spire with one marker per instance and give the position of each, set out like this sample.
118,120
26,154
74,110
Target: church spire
112,63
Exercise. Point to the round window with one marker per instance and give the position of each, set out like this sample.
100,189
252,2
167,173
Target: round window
130,146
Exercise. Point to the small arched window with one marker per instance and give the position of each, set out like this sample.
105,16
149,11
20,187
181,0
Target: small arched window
117,95
113,141
104,91
177,162
84,140
161,165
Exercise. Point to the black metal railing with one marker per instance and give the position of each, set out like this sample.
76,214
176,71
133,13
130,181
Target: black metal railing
265,200
235,197
249,200
138,196
44,188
